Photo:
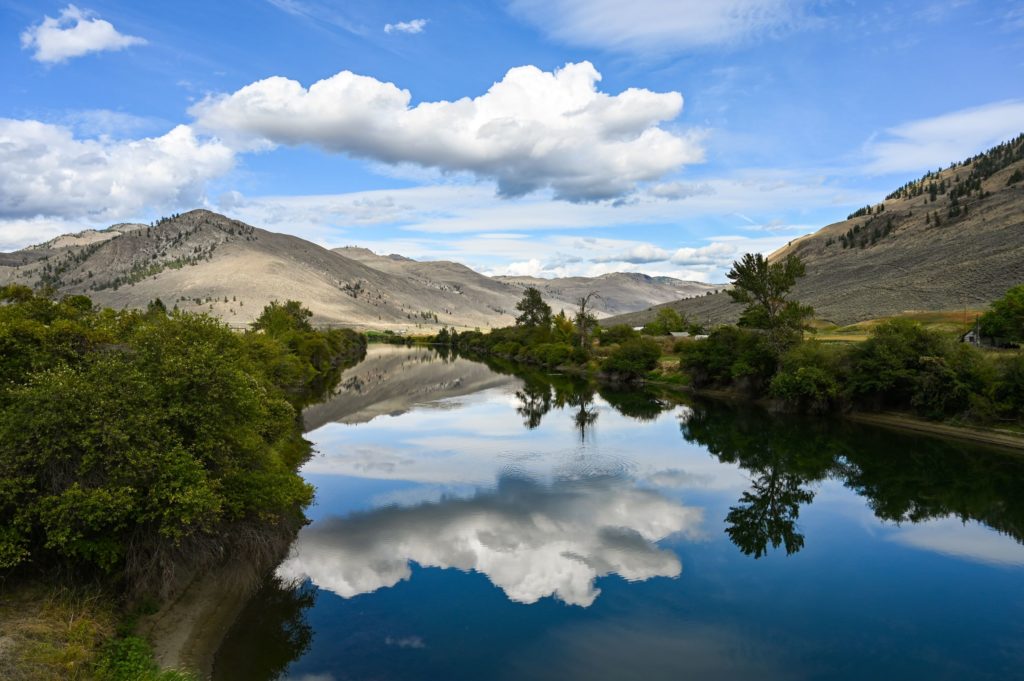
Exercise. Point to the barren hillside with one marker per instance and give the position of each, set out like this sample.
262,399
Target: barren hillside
950,239
202,261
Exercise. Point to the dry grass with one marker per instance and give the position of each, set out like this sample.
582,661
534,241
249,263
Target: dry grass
52,634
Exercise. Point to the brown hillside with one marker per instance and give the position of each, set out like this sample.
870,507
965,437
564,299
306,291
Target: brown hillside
202,261
895,257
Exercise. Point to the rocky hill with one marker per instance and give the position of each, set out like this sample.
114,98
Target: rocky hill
202,261
951,239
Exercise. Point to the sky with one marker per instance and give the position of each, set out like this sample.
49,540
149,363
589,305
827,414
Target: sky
527,137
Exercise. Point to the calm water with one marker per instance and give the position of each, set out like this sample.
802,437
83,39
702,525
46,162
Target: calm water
471,524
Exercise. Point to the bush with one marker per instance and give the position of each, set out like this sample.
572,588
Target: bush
618,334
808,378
632,359
131,443
884,368
1008,389
730,356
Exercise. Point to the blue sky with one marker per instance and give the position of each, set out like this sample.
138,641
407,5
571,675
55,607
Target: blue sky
554,137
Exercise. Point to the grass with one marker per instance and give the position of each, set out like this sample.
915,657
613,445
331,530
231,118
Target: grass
949,322
71,634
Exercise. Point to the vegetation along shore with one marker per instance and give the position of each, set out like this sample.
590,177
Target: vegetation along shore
138,451
901,367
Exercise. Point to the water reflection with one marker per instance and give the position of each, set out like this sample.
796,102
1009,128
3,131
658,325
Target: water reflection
393,379
593,482
275,616
904,479
530,539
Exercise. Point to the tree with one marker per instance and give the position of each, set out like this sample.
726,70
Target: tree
585,320
764,287
278,318
666,321
534,312
1005,318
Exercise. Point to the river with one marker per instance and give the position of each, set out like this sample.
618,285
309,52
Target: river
470,523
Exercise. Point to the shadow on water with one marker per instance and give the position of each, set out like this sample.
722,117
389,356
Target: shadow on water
606,523
275,616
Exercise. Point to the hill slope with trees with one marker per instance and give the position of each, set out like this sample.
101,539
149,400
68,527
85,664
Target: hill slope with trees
951,239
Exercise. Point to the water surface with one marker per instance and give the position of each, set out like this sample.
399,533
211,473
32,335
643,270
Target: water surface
473,524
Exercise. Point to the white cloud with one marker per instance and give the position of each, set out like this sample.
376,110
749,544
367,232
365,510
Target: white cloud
532,130
659,25
46,171
931,143
74,33
968,540
529,539
20,232
414,26
677,191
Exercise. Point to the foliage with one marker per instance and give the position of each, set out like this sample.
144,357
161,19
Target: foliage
534,312
808,378
1005,318
132,443
730,356
764,287
665,322
620,333
633,359
902,365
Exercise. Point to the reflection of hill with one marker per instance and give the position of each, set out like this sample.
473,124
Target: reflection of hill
393,379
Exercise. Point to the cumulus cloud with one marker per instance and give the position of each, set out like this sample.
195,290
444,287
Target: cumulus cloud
529,539
659,25
931,143
74,33
414,26
46,171
531,130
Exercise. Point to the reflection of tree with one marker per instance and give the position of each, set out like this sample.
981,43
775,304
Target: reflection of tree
904,478
637,404
768,513
783,456
269,634
535,402
909,479
586,412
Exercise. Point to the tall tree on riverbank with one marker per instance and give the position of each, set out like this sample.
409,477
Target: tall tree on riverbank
585,321
534,312
765,287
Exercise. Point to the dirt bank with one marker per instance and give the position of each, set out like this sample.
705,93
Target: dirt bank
187,632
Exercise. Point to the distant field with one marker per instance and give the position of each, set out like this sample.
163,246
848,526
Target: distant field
952,322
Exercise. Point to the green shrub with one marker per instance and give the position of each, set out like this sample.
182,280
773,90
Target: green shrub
618,334
809,376
131,442
729,356
632,359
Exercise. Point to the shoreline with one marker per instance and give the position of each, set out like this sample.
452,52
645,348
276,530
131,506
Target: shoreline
186,633
886,419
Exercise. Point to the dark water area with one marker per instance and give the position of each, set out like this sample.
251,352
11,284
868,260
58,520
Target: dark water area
474,524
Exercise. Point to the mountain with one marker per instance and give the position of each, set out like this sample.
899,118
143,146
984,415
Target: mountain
951,239
203,261
617,292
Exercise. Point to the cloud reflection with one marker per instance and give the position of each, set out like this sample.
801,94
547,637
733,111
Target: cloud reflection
531,540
